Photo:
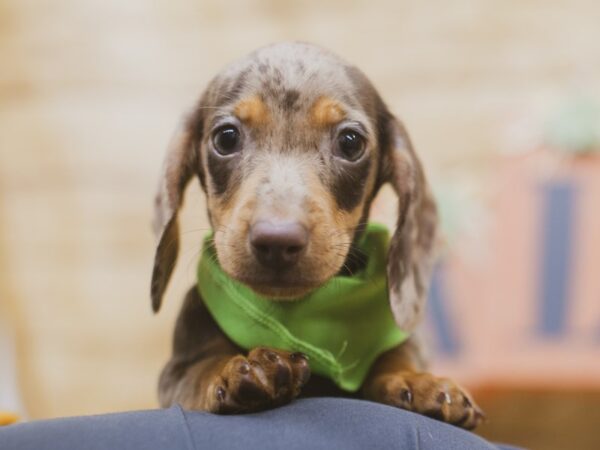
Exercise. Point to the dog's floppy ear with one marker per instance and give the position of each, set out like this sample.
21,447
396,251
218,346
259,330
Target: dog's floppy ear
411,253
178,167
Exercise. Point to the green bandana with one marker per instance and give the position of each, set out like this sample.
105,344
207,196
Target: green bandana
342,326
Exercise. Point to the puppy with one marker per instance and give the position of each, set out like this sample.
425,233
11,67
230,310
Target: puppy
290,145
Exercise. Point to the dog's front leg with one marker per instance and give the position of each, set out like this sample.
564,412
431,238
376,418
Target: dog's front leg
208,372
397,379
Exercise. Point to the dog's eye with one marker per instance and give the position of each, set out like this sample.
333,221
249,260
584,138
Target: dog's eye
350,145
227,140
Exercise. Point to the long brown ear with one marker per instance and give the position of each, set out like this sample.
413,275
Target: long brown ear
412,247
178,168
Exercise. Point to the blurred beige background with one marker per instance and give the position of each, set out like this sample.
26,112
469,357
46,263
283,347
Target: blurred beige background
91,90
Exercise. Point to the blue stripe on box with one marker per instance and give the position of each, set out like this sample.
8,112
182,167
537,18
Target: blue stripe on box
447,338
556,263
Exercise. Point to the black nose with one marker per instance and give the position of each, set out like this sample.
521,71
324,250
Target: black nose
278,245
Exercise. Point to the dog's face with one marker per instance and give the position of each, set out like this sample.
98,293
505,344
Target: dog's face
290,145
290,159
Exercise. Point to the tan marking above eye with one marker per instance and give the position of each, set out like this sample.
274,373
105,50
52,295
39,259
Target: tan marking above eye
253,111
326,111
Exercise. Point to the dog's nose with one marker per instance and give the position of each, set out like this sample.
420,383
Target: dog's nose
278,245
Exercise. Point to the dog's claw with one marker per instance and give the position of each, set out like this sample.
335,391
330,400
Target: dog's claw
298,355
444,397
406,395
244,368
220,394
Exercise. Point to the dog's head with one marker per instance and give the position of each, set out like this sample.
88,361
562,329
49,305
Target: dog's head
290,145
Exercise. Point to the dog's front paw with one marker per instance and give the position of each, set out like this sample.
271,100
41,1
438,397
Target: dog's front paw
438,398
266,378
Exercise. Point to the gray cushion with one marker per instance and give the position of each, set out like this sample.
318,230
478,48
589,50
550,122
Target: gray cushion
319,423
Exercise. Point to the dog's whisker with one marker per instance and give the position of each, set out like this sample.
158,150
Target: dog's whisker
192,256
195,230
209,107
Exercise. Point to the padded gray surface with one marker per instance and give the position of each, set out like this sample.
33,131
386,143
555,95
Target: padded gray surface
319,423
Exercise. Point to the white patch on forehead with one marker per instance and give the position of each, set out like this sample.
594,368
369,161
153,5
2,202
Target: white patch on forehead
300,66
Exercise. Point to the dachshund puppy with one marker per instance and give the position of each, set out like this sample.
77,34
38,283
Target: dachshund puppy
291,145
